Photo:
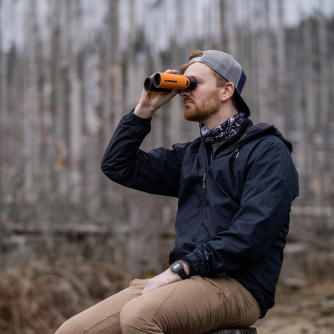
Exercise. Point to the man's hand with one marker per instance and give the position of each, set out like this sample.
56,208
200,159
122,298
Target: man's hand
167,277
150,102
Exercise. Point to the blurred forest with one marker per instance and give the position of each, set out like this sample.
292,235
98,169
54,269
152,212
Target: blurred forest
70,69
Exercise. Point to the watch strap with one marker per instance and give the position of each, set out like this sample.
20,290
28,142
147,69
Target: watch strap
182,274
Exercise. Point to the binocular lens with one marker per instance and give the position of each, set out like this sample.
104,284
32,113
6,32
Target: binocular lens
150,87
147,84
157,80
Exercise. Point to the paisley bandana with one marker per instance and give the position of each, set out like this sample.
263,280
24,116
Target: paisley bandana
224,131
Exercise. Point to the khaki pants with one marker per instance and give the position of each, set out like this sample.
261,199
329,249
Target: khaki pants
195,305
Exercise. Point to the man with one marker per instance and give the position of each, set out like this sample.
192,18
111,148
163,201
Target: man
235,185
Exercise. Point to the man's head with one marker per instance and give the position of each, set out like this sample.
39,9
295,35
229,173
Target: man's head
214,91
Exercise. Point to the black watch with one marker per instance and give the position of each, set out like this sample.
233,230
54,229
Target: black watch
177,267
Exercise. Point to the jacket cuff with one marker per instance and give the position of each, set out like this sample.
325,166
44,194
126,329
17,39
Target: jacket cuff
190,266
134,119
193,263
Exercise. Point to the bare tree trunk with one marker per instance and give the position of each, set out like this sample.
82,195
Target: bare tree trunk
107,114
253,62
76,114
245,51
116,63
324,84
92,102
269,64
131,83
299,141
31,149
231,45
207,27
310,110
49,110
220,10
263,42
61,93
281,70
3,122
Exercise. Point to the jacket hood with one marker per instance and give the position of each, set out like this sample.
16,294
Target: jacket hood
276,133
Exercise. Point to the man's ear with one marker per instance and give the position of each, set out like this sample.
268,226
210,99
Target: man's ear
227,91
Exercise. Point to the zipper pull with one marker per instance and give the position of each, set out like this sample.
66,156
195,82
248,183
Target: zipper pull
236,154
204,178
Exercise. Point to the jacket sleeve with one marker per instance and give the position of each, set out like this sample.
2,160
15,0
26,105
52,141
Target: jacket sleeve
270,186
155,172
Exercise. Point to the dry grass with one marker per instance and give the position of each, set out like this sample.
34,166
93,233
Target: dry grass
38,298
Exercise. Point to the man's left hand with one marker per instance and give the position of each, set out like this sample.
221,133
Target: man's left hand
167,277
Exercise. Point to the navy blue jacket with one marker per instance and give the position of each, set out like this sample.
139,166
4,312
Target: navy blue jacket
233,213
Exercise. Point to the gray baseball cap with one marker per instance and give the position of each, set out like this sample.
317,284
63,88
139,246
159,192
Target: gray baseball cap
224,64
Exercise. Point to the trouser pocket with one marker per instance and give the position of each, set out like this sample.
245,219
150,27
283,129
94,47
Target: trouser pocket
222,282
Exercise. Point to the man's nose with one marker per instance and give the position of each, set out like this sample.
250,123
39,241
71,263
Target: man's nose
184,93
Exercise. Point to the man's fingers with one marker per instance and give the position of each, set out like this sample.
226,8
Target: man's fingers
147,287
171,71
167,71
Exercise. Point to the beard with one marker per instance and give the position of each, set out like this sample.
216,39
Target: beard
199,112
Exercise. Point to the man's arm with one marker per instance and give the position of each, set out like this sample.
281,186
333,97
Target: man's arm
271,185
154,172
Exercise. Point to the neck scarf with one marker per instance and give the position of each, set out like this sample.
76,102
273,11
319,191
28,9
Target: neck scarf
224,131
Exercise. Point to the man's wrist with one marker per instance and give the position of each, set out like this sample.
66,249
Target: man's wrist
144,112
190,265
186,267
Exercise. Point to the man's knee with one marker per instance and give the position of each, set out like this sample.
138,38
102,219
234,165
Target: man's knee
136,317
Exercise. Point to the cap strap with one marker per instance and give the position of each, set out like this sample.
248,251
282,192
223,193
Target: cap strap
195,59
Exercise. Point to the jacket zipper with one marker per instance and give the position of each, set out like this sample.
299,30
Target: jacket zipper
204,206
204,182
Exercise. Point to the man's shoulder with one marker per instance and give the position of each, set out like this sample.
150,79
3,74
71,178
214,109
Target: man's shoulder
265,135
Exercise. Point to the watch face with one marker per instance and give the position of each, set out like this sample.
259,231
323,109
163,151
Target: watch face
176,266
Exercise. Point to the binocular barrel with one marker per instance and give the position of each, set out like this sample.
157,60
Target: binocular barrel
165,82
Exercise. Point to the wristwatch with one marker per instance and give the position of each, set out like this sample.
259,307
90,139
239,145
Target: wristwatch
177,267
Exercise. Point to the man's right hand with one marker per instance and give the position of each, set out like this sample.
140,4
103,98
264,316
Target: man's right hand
150,102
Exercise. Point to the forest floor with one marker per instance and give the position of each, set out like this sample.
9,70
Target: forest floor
304,311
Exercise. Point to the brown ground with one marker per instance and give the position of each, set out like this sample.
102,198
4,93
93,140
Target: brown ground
304,311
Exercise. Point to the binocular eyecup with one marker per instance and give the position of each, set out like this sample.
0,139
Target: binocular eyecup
165,82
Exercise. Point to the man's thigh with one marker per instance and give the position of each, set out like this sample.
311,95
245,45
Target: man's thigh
103,317
194,305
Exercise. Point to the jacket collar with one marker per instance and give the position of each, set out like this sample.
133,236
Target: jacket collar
247,123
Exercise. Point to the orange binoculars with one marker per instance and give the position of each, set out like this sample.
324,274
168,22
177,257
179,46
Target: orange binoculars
165,82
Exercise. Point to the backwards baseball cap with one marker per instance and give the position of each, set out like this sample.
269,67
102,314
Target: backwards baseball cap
227,67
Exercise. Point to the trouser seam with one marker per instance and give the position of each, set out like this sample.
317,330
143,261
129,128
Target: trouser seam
100,322
164,301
